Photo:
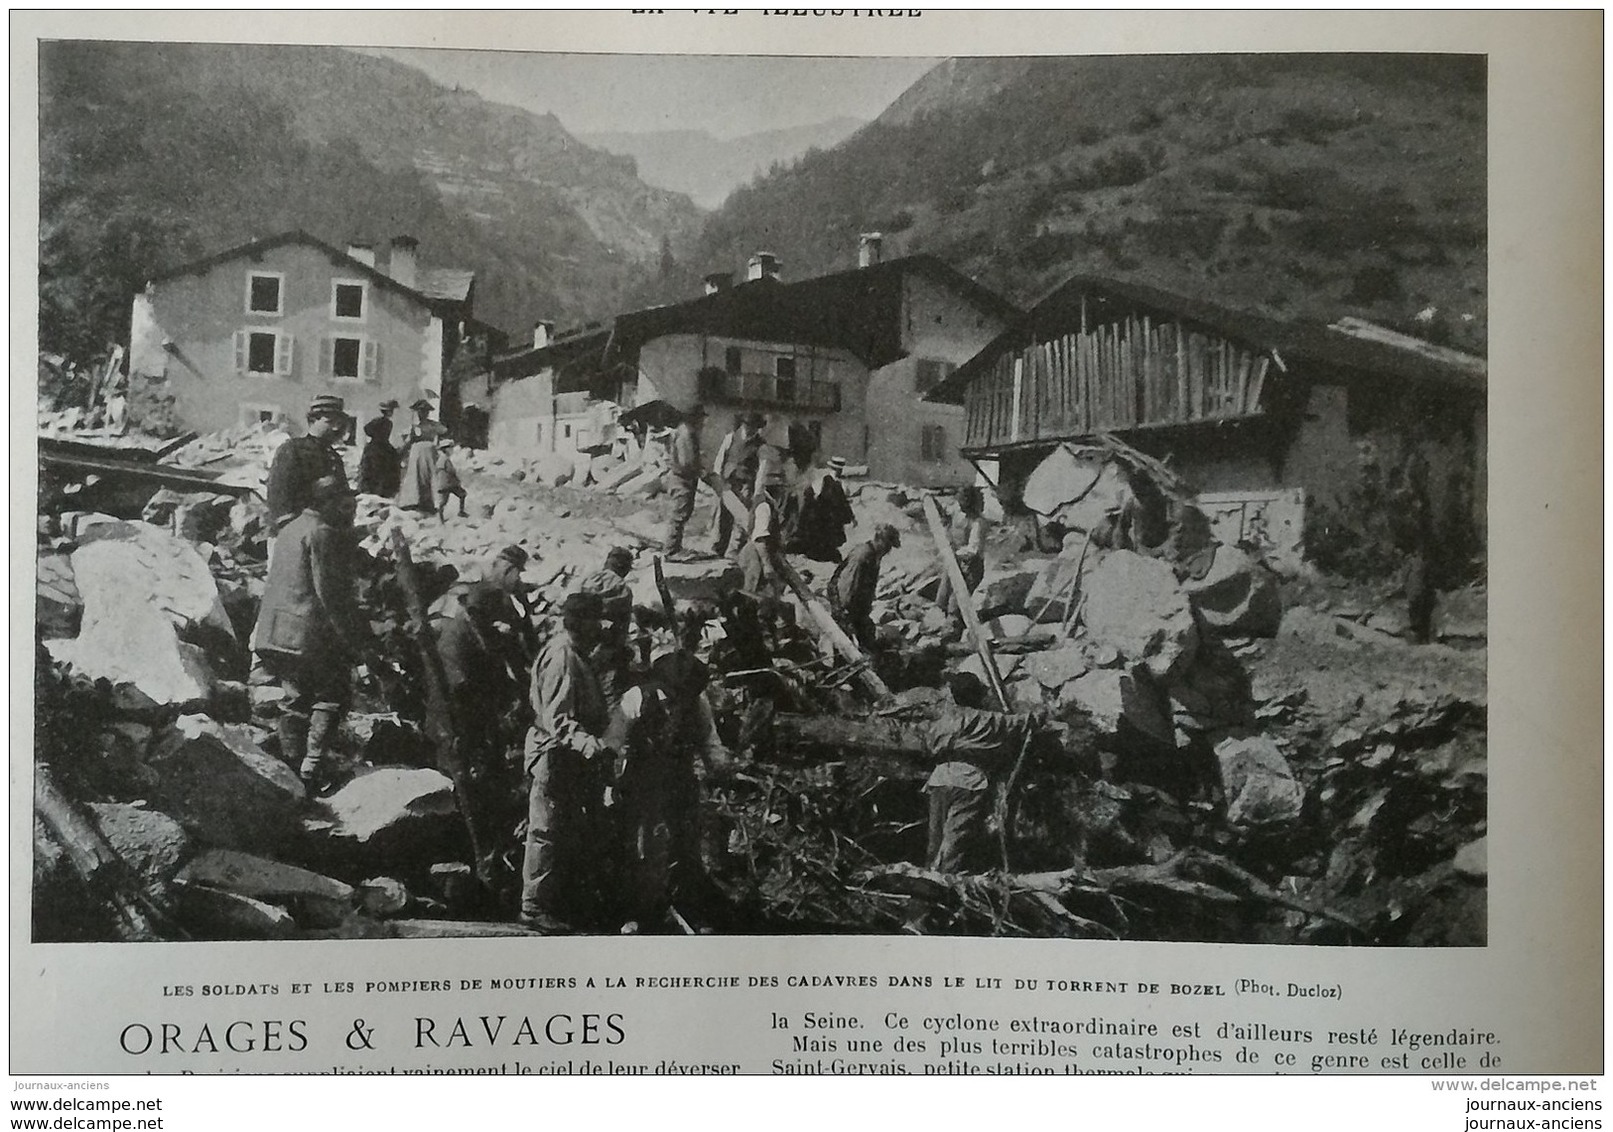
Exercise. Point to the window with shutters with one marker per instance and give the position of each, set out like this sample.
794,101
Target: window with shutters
932,443
350,358
260,352
784,373
929,373
733,359
349,299
265,292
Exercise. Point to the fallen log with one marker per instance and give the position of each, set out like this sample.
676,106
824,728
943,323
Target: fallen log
140,916
880,735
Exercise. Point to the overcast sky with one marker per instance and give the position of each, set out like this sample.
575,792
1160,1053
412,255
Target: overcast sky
724,95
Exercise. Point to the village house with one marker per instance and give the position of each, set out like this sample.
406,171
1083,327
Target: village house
847,356
256,332
1266,418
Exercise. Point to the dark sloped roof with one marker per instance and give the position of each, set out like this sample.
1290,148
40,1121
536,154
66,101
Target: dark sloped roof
858,310
1059,312
336,255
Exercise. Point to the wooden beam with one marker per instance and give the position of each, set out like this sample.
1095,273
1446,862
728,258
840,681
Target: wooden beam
838,638
966,607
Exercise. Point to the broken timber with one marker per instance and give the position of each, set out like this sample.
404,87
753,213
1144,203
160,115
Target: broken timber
966,606
438,725
838,637
79,459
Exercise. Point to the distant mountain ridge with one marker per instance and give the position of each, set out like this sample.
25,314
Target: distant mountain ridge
1311,186
152,154
709,168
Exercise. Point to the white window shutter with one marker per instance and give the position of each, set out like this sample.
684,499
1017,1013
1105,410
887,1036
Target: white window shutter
240,351
370,365
283,346
327,357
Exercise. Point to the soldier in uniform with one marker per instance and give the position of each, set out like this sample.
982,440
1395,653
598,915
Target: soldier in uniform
304,460
682,478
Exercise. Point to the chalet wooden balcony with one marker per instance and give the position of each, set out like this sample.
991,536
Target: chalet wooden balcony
1116,377
766,390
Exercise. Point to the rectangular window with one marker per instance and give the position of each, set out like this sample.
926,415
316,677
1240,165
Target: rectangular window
260,352
350,358
263,353
932,443
344,360
929,373
263,292
347,299
784,367
733,359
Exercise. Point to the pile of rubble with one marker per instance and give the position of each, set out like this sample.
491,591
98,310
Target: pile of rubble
1233,769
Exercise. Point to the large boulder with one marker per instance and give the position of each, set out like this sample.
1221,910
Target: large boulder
389,808
1121,705
151,843
1004,590
150,607
1135,605
1260,787
1238,597
222,787
310,897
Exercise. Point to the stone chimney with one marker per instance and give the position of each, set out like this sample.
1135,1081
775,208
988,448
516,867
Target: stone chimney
364,253
870,249
542,334
763,265
718,281
402,265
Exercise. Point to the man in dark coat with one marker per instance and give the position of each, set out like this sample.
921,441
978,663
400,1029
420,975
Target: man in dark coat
379,471
303,460
309,631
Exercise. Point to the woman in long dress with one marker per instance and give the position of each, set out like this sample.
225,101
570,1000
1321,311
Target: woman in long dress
418,492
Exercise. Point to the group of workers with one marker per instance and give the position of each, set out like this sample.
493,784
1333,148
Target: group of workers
620,727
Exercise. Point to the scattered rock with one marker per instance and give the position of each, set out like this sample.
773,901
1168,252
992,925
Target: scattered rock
1004,590
1238,597
222,788
1056,667
383,896
1260,786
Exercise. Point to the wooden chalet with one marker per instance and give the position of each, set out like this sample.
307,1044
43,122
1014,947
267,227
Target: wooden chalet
1243,406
